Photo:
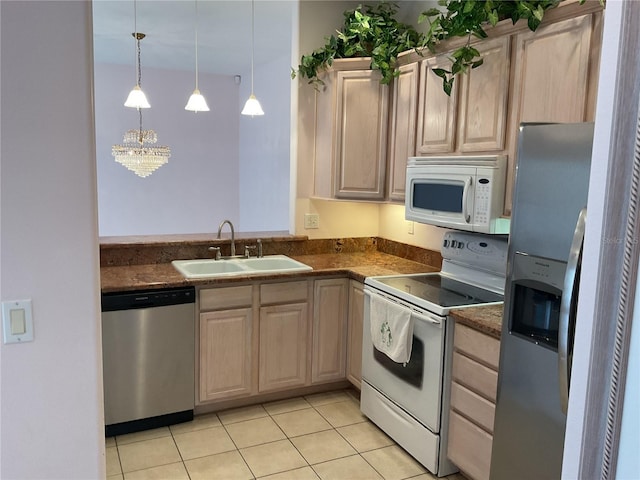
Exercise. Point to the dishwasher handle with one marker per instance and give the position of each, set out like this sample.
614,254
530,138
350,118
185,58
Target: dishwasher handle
112,302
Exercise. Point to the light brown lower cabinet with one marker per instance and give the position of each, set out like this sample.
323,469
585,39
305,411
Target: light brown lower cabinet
329,357
264,337
283,346
225,343
474,384
354,340
225,354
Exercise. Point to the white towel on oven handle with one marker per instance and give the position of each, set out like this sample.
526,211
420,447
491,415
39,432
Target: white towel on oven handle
391,328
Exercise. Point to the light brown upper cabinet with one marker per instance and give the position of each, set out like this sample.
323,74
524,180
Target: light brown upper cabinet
555,75
483,99
351,135
436,110
473,118
402,135
549,75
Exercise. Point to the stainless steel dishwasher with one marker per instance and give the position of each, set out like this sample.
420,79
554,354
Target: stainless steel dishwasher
148,355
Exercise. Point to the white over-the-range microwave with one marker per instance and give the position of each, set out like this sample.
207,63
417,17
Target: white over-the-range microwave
464,193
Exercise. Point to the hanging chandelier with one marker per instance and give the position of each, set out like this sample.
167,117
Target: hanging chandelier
138,151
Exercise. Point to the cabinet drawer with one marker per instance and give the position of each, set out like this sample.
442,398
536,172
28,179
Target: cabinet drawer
225,297
473,406
475,376
469,447
284,292
478,346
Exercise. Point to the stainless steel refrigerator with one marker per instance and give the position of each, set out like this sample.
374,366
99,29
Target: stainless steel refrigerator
545,245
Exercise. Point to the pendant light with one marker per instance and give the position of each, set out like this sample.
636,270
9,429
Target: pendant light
252,107
138,151
137,98
196,102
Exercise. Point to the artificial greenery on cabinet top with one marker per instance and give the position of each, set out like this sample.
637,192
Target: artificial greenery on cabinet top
373,31
368,31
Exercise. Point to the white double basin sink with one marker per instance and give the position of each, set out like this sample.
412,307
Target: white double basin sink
210,268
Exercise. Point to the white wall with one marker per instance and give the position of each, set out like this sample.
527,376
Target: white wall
393,226
51,415
199,187
265,148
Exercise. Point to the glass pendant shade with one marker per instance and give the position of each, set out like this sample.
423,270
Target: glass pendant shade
197,103
137,99
252,107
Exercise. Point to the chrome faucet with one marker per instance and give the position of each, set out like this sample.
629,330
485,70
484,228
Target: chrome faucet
233,236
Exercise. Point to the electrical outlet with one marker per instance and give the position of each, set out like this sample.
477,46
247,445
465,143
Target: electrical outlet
311,220
410,228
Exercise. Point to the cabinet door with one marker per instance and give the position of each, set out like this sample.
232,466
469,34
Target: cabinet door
551,72
402,140
469,447
555,77
436,110
225,354
356,319
483,99
329,330
283,346
360,135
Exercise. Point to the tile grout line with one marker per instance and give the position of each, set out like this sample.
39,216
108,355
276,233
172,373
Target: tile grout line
253,474
184,465
349,398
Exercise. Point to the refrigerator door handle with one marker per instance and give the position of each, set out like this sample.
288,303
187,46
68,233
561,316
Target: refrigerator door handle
465,196
567,308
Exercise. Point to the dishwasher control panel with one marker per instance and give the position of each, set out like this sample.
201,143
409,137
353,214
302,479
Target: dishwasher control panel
147,298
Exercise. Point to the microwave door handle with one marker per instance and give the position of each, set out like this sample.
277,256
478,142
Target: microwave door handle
567,307
465,196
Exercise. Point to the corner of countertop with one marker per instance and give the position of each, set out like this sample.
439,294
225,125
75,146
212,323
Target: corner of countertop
486,318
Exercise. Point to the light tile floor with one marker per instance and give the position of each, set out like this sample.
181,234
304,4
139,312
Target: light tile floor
319,437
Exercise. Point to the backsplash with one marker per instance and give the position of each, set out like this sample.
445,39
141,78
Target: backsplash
149,250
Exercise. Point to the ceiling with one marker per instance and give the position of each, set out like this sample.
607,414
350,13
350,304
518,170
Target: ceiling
224,33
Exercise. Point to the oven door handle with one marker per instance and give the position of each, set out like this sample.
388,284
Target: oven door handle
419,314
426,317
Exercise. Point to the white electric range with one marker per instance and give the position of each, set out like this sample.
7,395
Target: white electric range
410,401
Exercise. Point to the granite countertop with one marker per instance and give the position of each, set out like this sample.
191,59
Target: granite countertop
354,265
486,319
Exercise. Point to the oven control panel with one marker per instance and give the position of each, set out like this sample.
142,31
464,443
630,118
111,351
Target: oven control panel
476,250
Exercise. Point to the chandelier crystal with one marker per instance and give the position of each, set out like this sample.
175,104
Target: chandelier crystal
139,153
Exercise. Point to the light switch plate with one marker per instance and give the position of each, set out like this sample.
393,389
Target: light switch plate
17,317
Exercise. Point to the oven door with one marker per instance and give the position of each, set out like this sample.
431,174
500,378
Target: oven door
417,385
